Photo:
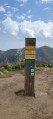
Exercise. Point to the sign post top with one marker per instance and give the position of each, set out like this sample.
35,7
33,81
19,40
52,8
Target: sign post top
33,38
30,38
30,41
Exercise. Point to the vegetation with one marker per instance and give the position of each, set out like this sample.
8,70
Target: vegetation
50,65
8,69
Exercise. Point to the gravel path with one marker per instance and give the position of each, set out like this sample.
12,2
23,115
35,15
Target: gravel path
22,107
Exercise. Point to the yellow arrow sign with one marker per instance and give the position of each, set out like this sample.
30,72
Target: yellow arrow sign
30,52
29,56
30,47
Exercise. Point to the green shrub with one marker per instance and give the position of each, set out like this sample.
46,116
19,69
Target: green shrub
44,65
49,65
23,65
37,65
2,69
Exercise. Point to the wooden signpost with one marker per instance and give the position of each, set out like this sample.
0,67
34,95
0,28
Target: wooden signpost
30,46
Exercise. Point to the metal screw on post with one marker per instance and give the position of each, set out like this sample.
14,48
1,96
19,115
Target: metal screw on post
30,46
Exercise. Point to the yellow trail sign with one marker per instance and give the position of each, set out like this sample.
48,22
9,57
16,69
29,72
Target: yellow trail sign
30,52
30,47
29,56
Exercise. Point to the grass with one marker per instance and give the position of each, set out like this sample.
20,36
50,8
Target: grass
7,70
6,74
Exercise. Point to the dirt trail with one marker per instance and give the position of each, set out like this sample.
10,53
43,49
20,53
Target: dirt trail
22,107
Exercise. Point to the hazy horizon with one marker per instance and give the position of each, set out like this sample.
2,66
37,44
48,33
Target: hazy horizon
24,47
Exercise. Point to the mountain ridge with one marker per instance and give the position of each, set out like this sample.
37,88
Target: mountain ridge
43,54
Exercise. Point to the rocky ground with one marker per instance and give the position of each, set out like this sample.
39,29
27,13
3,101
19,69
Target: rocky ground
14,106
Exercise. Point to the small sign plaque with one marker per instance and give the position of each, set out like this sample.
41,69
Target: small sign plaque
32,66
28,61
32,74
32,70
29,56
30,47
30,52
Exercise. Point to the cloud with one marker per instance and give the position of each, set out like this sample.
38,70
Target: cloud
48,30
2,9
37,28
29,11
46,8
29,16
14,9
21,5
29,33
8,6
11,26
21,17
0,28
46,1
8,14
44,43
28,28
22,1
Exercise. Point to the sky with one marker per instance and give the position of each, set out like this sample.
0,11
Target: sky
20,19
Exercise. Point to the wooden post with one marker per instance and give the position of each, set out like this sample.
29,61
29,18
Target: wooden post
30,46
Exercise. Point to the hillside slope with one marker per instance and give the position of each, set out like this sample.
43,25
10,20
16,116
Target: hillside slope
44,54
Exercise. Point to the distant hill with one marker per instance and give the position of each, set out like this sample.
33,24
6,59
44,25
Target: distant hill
43,54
